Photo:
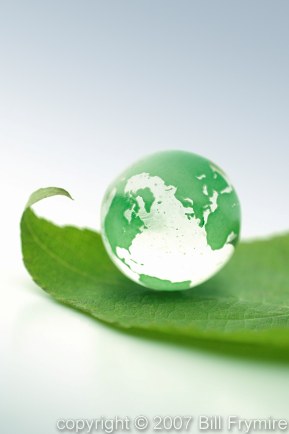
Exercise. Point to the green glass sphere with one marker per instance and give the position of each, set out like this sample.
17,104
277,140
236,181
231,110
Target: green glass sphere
171,221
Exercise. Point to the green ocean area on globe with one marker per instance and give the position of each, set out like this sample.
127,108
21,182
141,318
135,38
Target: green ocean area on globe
171,221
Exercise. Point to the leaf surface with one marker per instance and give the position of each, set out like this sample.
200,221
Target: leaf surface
244,308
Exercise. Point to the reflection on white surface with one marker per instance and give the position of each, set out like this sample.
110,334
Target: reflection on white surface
63,364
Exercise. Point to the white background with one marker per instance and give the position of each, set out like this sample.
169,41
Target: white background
86,89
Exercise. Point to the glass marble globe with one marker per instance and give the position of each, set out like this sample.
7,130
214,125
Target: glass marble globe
171,221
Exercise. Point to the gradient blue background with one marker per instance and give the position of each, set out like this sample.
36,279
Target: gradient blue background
86,88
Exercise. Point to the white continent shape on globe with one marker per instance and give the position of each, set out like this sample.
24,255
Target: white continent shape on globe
172,232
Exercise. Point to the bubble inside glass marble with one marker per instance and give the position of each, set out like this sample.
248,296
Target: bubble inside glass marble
171,221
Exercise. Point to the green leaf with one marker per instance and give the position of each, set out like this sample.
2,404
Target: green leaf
42,193
244,309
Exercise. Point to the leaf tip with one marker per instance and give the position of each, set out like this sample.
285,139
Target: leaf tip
43,193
